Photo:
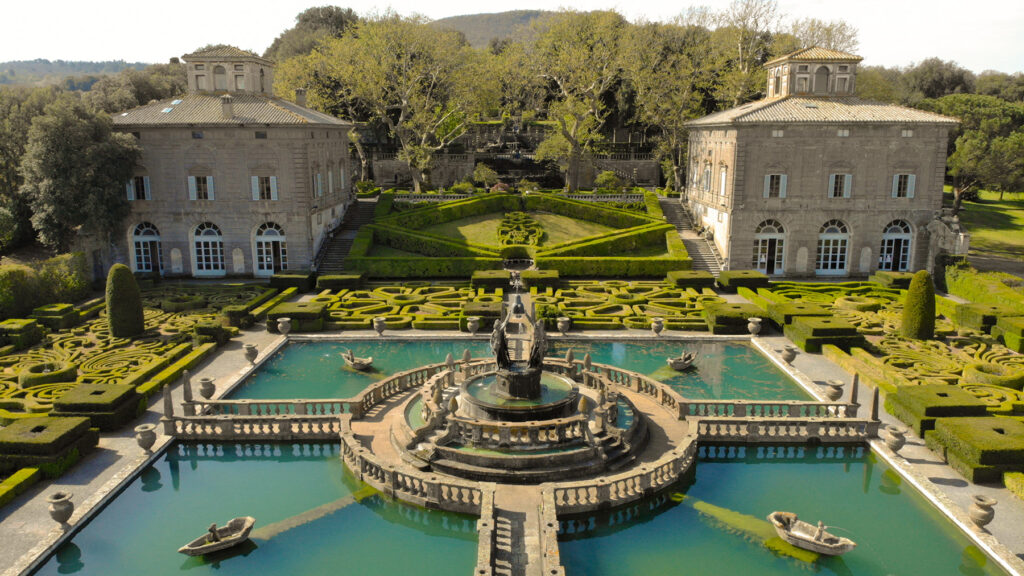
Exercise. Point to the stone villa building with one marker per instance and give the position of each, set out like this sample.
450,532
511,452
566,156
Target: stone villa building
812,180
232,181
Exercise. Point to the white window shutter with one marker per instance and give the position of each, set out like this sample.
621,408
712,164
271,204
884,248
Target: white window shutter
831,184
273,187
191,187
782,187
767,185
255,187
330,181
910,186
847,185
895,185
209,187
129,188
145,182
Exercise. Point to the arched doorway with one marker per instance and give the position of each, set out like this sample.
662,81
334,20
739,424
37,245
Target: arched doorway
896,241
833,246
208,254
821,80
271,249
769,247
146,241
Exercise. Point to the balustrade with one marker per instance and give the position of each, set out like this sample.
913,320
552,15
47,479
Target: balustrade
783,429
758,409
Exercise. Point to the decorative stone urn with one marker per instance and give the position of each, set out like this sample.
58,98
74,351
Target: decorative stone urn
894,438
379,324
61,506
251,352
145,436
563,324
206,387
789,354
835,390
981,511
284,326
657,325
754,326
473,324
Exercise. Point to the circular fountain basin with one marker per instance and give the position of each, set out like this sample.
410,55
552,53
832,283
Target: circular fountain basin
558,397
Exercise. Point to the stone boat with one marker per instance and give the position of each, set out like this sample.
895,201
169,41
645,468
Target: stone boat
683,361
231,534
809,537
355,362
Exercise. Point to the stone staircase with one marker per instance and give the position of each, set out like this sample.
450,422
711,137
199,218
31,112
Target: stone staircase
703,252
333,259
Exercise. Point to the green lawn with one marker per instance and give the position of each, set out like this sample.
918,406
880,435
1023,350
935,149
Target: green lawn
483,229
997,228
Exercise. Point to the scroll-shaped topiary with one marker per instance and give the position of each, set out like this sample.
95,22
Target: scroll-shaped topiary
124,303
918,320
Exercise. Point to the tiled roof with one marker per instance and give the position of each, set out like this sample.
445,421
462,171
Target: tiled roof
816,54
804,110
205,108
221,52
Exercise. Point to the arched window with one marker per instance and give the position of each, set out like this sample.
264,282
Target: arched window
146,241
821,80
769,247
220,78
833,245
897,239
209,249
262,88
271,249
778,86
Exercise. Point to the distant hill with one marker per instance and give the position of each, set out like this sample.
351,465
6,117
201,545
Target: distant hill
481,28
43,71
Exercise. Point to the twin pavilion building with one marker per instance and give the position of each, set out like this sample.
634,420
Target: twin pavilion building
808,181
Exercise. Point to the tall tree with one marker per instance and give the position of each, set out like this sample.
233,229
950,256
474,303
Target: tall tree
670,68
577,53
312,26
746,27
131,88
935,78
74,172
834,35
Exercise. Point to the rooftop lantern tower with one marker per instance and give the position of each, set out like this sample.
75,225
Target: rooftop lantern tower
812,71
226,69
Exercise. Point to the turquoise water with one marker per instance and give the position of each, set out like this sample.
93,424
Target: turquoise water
724,370
174,501
719,526
553,388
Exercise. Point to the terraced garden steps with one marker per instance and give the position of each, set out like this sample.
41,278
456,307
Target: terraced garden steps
704,254
339,246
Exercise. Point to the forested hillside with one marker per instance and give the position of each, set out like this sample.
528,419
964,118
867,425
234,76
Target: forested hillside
479,29
41,71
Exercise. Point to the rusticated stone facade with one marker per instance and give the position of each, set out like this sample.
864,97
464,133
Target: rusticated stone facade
232,182
816,182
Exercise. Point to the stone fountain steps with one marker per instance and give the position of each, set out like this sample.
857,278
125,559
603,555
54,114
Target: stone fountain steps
591,465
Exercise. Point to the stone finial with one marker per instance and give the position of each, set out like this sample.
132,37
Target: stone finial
453,405
438,394
587,362
583,406
570,357
186,386
449,361
466,356
168,404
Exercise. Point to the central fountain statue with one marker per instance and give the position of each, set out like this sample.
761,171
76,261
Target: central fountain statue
519,378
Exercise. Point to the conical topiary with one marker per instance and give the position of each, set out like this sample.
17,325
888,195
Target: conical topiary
124,303
918,320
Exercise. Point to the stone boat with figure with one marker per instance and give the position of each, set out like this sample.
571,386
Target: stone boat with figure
809,537
682,362
355,362
231,534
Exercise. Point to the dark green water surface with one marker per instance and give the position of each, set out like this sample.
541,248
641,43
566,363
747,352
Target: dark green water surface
717,525
174,501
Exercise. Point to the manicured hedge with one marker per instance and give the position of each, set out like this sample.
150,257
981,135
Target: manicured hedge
49,443
918,320
260,312
590,211
611,243
124,303
107,406
183,302
980,316
491,279
47,372
730,280
919,406
174,370
383,207
690,278
981,449
1011,331
411,240
20,332
421,267
984,288
63,278
891,279
810,333
339,281
305,316
540,279
57,316
725,318
993,375
487,311
18,483
302,281
613,267
783,313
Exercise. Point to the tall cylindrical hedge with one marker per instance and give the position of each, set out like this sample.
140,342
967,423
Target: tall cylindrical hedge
918,320
124,303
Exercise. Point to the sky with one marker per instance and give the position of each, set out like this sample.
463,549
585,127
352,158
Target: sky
978,35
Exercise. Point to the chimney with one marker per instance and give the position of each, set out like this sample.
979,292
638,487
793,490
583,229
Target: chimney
226,110
300,97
